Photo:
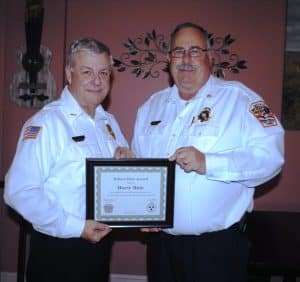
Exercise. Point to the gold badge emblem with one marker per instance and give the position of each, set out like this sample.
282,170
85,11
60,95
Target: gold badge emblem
205,114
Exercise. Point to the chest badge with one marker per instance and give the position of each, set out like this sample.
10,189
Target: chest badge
205,114
110,131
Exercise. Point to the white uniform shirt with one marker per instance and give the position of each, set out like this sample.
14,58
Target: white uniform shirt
242,141
46,181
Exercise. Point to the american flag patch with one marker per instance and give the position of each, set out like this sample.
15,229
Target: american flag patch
31,132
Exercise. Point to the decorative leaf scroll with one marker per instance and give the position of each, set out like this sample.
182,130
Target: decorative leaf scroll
222,59
146,56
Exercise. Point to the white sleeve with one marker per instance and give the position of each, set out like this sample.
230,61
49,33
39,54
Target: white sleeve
257,161
24,181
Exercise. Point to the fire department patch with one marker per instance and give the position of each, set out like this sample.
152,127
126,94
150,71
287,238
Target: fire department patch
263,114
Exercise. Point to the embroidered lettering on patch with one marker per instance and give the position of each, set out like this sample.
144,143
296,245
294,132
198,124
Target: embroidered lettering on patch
31,132
263,114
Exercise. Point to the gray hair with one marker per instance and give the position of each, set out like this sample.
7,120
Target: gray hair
188,25
86,44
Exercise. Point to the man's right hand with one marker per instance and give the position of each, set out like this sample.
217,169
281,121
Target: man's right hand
123,152
94,231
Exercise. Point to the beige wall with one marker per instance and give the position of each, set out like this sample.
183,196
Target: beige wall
258,27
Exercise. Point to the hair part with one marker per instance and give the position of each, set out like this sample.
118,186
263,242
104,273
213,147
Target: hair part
189,25
86,44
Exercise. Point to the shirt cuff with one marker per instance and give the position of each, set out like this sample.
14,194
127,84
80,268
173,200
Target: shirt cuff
74,227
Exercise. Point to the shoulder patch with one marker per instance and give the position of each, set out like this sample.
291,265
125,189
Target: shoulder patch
31,132
263,114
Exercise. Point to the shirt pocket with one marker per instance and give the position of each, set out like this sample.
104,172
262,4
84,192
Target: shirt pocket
77,151
70,163
153,141
203,136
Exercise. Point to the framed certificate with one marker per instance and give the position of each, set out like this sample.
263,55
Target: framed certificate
130,192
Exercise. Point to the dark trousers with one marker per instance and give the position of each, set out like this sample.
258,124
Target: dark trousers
67,260
211,257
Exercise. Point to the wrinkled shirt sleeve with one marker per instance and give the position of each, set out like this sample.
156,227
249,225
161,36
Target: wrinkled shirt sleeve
24,186
259,159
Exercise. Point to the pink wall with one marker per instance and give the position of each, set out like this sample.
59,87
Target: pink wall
259,40
259,31
13,115
2,39
2,67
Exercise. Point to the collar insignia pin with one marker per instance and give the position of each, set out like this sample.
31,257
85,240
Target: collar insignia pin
110,131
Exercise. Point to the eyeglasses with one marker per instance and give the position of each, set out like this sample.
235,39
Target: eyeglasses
89,75
194,52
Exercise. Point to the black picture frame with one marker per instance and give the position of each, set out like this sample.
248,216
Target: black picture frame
290,116
130,188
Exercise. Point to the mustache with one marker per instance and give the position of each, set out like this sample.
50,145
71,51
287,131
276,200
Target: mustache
186,67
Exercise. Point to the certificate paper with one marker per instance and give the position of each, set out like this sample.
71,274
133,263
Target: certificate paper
131,192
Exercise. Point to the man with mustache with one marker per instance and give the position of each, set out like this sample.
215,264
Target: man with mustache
225,142
46,181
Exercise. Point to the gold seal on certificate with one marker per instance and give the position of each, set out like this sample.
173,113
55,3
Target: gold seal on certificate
130,192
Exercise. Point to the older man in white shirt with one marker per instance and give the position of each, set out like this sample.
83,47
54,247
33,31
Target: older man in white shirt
46,182
225,141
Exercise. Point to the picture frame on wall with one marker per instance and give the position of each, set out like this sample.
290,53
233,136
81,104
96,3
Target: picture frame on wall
291,80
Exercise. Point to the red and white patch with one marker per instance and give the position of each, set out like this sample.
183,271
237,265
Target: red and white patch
31,132
263,114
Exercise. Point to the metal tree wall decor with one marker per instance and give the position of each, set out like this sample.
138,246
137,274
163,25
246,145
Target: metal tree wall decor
146,56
